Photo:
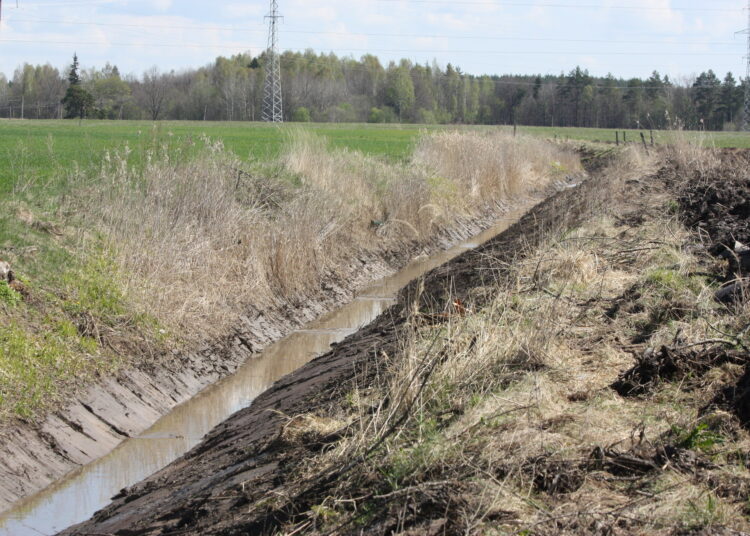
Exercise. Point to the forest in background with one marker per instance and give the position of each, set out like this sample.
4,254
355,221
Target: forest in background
327,88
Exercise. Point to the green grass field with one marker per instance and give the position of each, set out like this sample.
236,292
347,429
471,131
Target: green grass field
32,152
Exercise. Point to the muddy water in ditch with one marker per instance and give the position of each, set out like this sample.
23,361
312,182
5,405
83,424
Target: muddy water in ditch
85,491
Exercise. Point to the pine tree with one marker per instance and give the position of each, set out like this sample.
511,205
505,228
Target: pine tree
77,100
73,77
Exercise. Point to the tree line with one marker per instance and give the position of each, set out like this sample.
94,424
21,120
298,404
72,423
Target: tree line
327,88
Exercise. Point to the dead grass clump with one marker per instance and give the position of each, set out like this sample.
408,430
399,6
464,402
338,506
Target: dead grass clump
186,242
692,153
309,429
496,165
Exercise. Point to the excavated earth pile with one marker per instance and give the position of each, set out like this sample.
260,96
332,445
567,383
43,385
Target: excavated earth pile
715,199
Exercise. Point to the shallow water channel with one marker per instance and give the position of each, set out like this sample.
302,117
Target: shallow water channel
78,496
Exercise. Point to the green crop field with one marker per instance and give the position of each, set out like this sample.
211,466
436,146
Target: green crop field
34,151
31,151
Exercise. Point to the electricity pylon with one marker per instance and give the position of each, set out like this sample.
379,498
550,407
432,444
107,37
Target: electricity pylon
273,110
746,121
746,115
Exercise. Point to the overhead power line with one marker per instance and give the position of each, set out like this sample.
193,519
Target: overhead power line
496,3
556,5
368,50
367,34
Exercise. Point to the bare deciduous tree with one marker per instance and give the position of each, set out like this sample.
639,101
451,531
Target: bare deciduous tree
153,92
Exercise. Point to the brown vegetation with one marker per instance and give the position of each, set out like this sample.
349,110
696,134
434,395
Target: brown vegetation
197,238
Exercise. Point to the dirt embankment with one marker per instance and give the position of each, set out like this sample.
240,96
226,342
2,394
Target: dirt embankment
32,456
244,459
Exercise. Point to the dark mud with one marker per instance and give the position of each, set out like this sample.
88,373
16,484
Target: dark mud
736,398
716,199
248,460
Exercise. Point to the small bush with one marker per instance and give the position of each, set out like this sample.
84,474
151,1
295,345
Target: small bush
301,115
8,296
698,438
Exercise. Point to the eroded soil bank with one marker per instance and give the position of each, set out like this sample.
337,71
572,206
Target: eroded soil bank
575,375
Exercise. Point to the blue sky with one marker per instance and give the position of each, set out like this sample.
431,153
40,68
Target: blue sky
625,37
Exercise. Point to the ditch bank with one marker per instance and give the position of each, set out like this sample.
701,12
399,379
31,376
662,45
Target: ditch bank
243,460
34,456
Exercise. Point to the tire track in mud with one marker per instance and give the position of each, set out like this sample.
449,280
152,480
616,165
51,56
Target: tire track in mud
208,490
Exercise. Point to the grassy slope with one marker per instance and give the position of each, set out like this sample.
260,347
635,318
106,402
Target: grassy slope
31,149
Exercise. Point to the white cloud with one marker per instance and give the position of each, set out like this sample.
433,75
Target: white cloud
661,15
162,5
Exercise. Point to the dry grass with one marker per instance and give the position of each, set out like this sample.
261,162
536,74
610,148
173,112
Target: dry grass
494,165
503,421
198,239
693,152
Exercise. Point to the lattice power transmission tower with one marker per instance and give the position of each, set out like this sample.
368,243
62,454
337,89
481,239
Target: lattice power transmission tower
746,117
273,109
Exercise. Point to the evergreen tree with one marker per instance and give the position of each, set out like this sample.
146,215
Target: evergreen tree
537,87
77,100
730,98
73,76
574,91
706,94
